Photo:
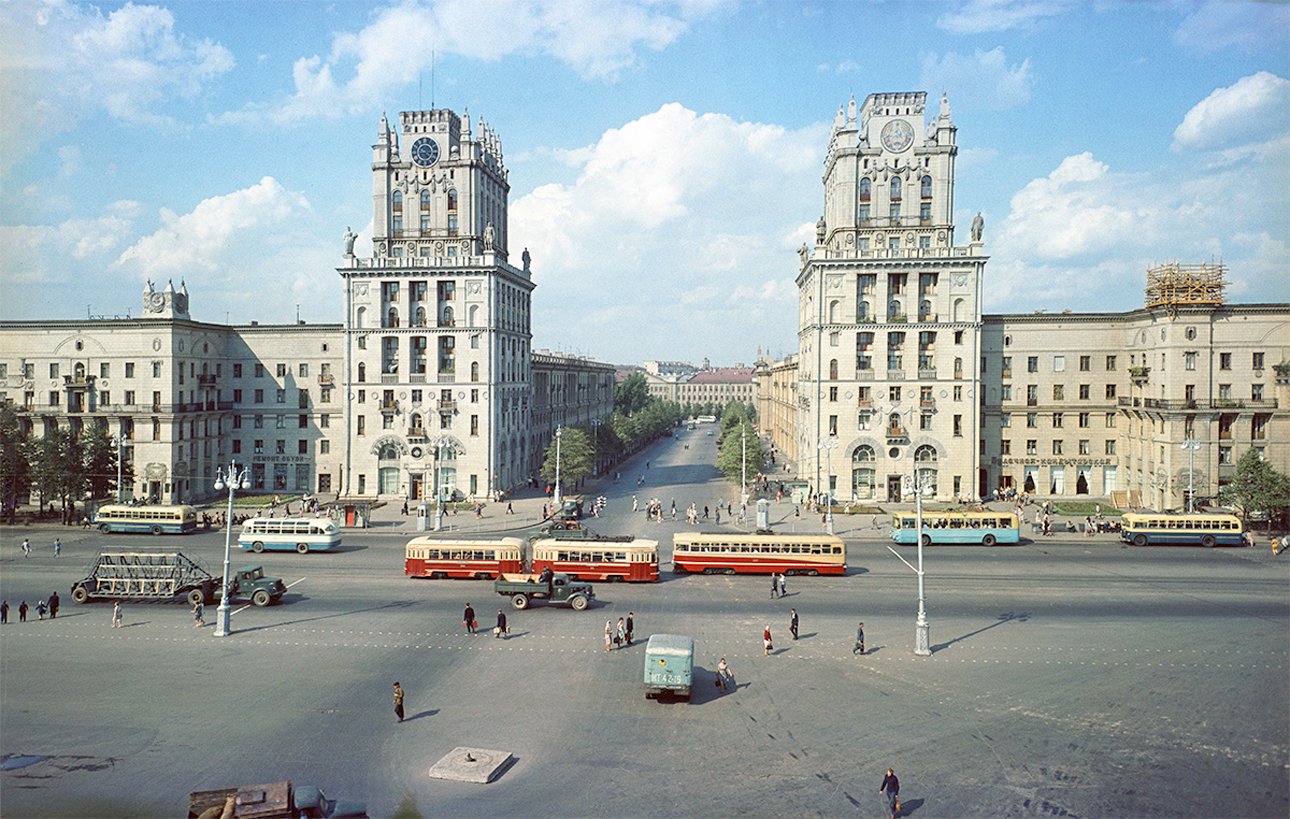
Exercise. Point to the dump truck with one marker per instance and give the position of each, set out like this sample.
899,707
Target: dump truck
165,575
274,800
525,589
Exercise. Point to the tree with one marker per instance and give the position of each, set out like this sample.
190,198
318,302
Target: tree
15,469
57,466
730,456
576,457
632,395
1257,487
99,454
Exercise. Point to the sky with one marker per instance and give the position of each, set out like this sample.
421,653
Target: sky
664,156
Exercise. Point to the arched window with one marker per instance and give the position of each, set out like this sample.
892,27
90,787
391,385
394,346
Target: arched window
833,369
893,424
425,211
925,468
452,212
421,317
865,188
362,372
893,310
862,473
925,187
360,316
833,312
474,371
958,367
958,310
925,310
895,189
863,311
415,422
452,199
447,317
392,317
396,213
473,315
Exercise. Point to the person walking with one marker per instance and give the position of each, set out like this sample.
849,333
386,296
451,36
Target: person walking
765,639
116,615
609,635
792,622
22,612
199,614
500,630
58,547
723,674
468,619
774,585
4,612
398,701
40,609
26,547
509,509
53,605
859,646
631,626
620,633
783,585
891,788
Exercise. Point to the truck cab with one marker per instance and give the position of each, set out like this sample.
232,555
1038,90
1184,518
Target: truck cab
251,582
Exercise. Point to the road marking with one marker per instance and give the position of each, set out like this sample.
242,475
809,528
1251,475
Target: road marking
301,580
239,611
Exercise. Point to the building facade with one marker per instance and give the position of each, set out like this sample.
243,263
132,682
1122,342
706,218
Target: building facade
715,385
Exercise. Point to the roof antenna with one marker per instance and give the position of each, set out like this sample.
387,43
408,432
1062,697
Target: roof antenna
432,78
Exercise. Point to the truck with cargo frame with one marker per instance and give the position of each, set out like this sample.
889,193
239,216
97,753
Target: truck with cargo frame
547,587
165,575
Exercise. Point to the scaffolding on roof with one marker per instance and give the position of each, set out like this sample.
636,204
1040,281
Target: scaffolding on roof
1172,285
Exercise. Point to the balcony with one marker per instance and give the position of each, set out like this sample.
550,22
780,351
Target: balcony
927,373
865,374
447,405
1139,375
928,318
417,435
1167,403
896,435
389,406
895,375
326,379
864,403
897,318
206,380
927,403
1282,371
1007,372
958,375
446,323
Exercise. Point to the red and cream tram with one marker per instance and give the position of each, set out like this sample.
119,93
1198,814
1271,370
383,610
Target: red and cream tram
608,559
482,559
728,553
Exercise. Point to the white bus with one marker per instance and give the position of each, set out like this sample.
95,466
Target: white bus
157,520
301,534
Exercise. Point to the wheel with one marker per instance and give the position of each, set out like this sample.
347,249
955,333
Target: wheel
814,572
105,529
1139,540
438,575
679,569
1208,541
260,598
927,540
988,540
257,547
709,570
80,594
302,548
520,601
156,530
615,578
579,603
729,571
196,596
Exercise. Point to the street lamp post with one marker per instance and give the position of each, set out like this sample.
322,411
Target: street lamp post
922,635
595,430
558,432
438,483
1191,445
828,445
743,467
231,480
119,444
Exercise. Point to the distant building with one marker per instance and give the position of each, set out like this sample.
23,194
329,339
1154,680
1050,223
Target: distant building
719,385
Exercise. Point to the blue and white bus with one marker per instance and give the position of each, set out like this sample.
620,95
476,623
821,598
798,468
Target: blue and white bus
301,534
986,528
157,520
1143,528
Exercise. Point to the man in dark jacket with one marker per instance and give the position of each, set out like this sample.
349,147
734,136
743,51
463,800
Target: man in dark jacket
53,605
891,787
468,619
500,631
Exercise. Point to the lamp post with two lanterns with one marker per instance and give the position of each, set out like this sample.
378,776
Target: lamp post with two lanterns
232,480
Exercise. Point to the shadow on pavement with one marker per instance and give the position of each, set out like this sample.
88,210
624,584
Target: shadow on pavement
1006,617
397,605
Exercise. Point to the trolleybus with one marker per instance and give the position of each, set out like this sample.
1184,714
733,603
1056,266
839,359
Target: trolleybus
728,553
986,528
1143,528
612,559
301,534
483,559
157,520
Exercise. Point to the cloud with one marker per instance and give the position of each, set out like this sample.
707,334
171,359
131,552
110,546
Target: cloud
983,78
63,63
844,67
978,16
35,255
598,39
1226,24
1251,112
692,217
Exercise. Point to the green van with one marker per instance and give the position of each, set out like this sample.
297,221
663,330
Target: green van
669,665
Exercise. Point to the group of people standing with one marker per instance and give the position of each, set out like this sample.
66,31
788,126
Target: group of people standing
620,635
42,606
468,621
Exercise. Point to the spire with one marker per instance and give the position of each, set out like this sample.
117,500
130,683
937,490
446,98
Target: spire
183,287
170,286
837,121
851,110
944,113
383,134
465,123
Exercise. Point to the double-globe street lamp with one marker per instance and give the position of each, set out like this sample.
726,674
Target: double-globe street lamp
438,444
1191,445
232,480
559,431
828,445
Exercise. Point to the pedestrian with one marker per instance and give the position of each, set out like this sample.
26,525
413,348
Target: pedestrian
501,630
859,646
468,619
405,509
723,674
783,585
765,638
40,609
398,701
26,547
199,614
609,635
4,612
774,585
792,622
22,612
116,614
635,504
509,510
705,511
620,633
58,547
891,787
631,626
53,605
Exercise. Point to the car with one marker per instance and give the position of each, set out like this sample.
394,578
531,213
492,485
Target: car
710,433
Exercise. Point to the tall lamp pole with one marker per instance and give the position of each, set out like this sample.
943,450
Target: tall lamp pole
743,467
1191,445
595,430
922,635
119,444
558,432
232,480
828,445
438,483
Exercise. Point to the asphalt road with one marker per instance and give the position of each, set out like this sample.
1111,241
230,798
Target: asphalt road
1069,678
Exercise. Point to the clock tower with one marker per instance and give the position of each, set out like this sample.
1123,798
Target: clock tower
436,320
890,311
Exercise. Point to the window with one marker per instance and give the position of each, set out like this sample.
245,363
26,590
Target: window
259,371
1058,419
1189,360
258,397
302,447
1032,446
1057,447
280,422
1256,392
925,187
362,425
282,370
1005,392
833,425
1110,420
282,396
1005,447
895,189
1083,392
259,447
1059,363
396,213
1007,366
1032,420
156,369
1225,455
833,393
237,447
1257,361
1059,392
1225,361
1225,392
324,421
925,421
324,447
1083,446
958,426
303,369
1110,390
1110,446
280,447
129,369
1084,420
1259,427
302,422
1110,362
1005,420
1085,363
866,189
1032,395
1032,364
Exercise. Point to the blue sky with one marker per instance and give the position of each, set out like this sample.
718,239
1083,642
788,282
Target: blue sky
664,157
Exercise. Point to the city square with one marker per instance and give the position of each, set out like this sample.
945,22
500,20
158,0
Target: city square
1069,677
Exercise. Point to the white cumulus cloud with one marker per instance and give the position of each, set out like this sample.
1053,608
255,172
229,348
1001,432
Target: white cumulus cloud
1220,24
978,16
984,78
1252,111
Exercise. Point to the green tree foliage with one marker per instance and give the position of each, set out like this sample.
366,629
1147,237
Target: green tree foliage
730,455
576,457
1257,487
58,466
15,469
631,396
99,454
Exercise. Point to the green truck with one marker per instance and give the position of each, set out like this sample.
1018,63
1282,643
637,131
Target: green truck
163,575
526,589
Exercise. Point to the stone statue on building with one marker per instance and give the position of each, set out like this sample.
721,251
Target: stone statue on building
488,235
802,252
978,225
349,241
526,258
819,231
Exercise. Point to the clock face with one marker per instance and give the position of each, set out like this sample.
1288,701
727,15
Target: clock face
425,152
897,135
